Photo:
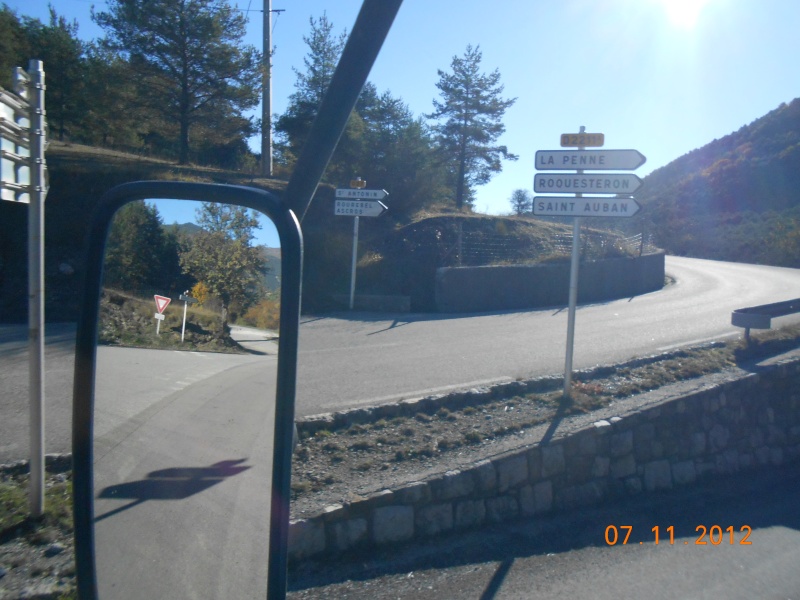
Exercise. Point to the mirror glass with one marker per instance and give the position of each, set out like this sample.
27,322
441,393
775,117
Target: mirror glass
185,400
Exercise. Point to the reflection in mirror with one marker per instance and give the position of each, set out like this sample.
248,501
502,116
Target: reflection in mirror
184,401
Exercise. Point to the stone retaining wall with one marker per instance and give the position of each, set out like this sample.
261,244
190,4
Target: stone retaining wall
512,287
751,421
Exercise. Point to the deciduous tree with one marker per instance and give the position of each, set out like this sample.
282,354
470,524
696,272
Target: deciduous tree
521,202
222,257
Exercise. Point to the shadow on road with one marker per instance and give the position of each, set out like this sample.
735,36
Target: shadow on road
754,498
170,484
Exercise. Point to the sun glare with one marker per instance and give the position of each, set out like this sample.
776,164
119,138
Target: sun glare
683,13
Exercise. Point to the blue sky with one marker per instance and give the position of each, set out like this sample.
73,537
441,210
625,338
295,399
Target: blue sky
660,76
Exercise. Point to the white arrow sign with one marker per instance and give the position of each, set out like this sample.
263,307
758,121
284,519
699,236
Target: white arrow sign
569,183
359,208
552,206
597,160
361,194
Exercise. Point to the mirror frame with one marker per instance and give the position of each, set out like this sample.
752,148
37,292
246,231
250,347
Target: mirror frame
291,242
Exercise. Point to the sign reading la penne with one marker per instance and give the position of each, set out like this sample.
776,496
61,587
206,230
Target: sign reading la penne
590,160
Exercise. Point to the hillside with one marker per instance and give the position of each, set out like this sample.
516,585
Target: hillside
736,198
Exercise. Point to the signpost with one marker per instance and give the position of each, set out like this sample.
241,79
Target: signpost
161,303
22,179
361,194
187,300
595,160
359,208
616,201
595,183
358,202
563,206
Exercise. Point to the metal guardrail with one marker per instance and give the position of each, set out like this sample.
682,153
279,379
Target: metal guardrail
760,317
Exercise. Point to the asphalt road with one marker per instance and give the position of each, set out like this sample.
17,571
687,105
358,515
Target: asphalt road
567,556
365,359
182,479
361,359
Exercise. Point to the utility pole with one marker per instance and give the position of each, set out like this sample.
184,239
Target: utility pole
266,100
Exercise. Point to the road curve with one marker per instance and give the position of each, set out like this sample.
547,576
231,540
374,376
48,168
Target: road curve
361,359
349,360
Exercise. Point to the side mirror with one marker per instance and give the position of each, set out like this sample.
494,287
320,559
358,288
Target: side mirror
182,460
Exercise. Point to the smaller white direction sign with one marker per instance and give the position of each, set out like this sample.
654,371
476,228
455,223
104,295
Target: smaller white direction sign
601,183
597,160
552,206
362,194
359,208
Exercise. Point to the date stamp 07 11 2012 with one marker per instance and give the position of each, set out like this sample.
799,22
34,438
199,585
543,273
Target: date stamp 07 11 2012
714,535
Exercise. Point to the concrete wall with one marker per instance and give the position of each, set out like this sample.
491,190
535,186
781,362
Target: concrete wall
477,289
743,423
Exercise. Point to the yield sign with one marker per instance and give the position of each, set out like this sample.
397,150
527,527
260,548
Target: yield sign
161,303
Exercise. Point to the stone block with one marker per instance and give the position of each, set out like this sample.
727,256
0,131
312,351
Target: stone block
512,471
601,465
543,496
698,443
453,484
534,463
485,476
587,443
527,502
776,456
501,508
469,513
417,492
623,467
434,519
657,475
621,443
348,534
392,524
718,437
552,460
633,485
684,472
306,538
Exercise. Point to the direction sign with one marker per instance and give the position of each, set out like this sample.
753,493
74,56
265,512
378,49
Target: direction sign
553,206
359,208
161,303
592,160
187,299
577,183
361,194
582,139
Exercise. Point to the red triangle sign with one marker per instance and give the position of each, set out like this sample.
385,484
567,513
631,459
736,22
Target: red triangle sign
161,303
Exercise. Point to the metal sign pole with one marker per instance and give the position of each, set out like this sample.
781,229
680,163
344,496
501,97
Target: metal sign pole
36,286
573,295
353,266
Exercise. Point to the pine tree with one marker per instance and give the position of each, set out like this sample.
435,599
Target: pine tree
187,59
469,120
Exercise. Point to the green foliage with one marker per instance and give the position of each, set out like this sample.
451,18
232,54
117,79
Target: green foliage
187,62
140,253
14,45
469,120
221,255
